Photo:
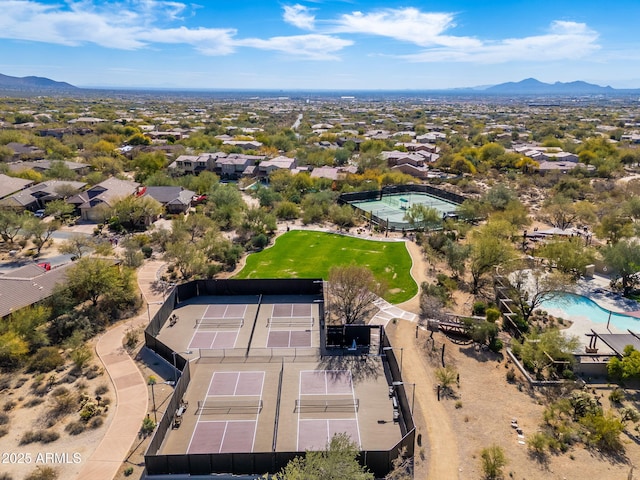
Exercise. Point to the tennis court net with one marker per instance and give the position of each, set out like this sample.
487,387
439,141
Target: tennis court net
219,322
226,406
327,405
290,321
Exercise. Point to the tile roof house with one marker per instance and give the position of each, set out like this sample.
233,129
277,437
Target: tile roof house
92,202
37,196
174,199
278,163
28,285
44,165
9,185
22,151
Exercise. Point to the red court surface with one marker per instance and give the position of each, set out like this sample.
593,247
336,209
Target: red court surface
225,311
223,436
315,434
285,310
236,383
289,339
326,382
213,339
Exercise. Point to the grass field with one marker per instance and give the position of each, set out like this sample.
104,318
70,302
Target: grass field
306,254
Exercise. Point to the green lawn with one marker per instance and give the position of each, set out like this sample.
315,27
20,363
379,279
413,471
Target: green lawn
306,254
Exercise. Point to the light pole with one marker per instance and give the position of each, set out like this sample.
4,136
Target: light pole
149,310
175,368
384,349
413,393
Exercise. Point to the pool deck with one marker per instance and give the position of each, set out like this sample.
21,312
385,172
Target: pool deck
598,290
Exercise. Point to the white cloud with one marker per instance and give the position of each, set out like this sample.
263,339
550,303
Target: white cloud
406,24
312,47
564,41
299,16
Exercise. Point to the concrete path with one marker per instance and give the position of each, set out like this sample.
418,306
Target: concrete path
130,387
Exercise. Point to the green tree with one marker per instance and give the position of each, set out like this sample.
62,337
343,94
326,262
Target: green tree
29,324
337,462
488,251
136,212
423,217
456,256
623,258
627,367
493,461
569,255
11,224
77,245
13,349
59,209
40,232
188,258
352,291
91,278
532,287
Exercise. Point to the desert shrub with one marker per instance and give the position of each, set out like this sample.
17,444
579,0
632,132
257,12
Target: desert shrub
616,395
479,308
42,436
33,402
3,431
127,471
4,418
511,375
43,473
60,391
5,382
75,428
81,356
102,389
148,425
147,251
131,338
5,476
93,372
95,422
46,359
537,444
9,405
89,410
63,404
105,401
20,382
493,314
493,461
82,385
69,378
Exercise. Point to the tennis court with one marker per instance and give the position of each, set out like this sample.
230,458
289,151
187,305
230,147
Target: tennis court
236,394
218,326
326,405
393,208
289,339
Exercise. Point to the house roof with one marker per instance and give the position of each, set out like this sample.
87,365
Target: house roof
104,192
9,185
44,165
42,191
28,285
170,195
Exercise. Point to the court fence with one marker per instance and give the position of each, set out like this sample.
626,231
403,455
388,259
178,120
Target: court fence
380,463
380,219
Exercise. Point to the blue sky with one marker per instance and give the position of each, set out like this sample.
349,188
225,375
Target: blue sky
320,44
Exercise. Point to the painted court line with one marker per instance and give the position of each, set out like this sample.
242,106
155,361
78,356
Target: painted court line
198,420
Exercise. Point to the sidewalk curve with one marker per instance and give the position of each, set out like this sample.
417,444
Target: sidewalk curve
131,404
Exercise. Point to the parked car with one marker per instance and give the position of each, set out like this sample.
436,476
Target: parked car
39,213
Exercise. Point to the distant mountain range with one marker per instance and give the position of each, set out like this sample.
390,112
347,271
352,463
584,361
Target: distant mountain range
529,86
32,83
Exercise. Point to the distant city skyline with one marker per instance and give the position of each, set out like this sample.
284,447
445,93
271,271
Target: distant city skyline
320,44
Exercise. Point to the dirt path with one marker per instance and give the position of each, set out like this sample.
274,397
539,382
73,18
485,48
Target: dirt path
419,269
437,458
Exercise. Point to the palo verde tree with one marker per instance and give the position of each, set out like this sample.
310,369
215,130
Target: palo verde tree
352,291
623,258
532,287
337,462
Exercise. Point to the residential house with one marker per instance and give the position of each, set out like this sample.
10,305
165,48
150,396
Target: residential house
173,199
25,152
37,196
235,165
244,144
93,202
28,285
279,163
9,185
44,165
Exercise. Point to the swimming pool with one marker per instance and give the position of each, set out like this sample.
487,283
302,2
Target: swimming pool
571,305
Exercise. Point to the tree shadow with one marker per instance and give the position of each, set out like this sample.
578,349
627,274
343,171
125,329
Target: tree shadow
362,367
481,353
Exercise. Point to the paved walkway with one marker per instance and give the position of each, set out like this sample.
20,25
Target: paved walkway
132,401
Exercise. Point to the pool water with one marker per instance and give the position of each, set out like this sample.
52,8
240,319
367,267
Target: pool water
572,305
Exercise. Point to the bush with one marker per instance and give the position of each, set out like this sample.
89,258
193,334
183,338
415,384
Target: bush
479,309
493,461
5,476
147,251
616,395
102,389
95,422
43,473
89,410
33,402
493,314
3,431
63,404
4,418
127,471
81,356
511,375
9,405
148,425
496,345
46,359
75,428
42,436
